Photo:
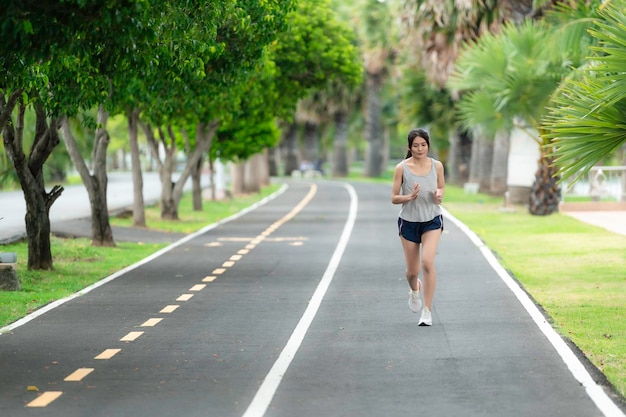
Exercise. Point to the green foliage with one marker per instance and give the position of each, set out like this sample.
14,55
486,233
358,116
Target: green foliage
424,104
317,49
505,76
586,122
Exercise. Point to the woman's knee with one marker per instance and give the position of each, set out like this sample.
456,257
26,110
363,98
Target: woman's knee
428,266
411,273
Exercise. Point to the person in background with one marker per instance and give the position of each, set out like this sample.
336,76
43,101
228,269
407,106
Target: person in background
419,186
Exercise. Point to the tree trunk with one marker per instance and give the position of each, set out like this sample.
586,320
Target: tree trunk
250,175
340,145
264,168
474,165
485,159
169,208
237,174
172,192
7,106
196,184
545,194
310,151
373,126
30,174
290,147
139,210
272,161
96,184
499,166
459,157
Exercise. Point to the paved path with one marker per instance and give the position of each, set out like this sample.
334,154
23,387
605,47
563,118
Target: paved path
613,221
298,308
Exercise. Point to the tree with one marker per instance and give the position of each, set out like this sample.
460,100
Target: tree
434,33
509,77
377,47
317,50
210,83
44,50
585,121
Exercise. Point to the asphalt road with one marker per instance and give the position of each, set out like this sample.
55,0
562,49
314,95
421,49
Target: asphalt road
298,308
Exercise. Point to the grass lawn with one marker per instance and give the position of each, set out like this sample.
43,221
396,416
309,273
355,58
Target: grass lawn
575,271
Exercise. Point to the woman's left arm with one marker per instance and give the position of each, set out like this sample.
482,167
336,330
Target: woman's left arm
441,184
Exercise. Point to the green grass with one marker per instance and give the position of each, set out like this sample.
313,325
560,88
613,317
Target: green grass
575,271
78,264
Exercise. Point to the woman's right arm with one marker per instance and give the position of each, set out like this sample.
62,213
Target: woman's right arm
396,188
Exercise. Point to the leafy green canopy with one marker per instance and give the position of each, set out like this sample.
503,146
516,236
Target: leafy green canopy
586,120
61,51
317,49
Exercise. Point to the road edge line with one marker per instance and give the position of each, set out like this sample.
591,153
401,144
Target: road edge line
597,394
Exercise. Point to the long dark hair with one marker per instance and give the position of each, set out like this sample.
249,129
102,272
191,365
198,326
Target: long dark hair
415,133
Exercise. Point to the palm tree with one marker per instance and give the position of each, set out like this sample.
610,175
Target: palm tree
586,119
435,34
511,76
377,40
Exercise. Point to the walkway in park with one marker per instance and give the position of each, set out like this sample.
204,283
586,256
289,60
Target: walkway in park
298,308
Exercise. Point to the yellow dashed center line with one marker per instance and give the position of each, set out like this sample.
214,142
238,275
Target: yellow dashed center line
108,354
151,322
169,309
197,287
184,297
131,337
78,374
44,399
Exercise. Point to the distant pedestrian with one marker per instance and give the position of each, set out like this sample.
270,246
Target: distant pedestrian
419,185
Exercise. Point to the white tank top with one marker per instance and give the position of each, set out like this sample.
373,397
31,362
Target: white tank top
423,208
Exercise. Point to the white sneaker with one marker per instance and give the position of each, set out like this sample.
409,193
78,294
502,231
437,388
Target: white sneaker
426,319
415,302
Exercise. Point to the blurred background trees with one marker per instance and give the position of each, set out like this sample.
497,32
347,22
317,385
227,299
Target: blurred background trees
519,97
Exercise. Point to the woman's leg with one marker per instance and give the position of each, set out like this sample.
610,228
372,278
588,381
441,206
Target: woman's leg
430,241
412,258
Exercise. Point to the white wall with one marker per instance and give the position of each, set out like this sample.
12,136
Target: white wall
523,157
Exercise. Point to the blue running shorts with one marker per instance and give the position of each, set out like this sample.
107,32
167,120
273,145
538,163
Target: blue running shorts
413,231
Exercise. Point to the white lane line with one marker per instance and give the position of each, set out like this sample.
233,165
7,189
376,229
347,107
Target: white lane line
575,366
264,395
